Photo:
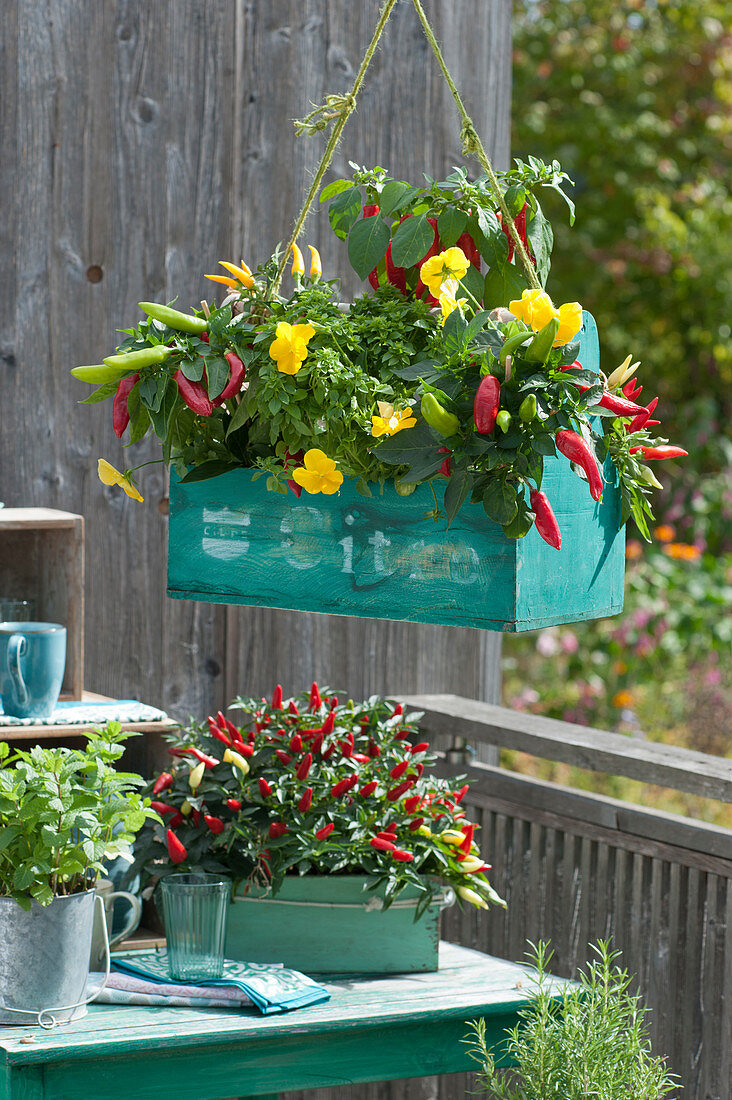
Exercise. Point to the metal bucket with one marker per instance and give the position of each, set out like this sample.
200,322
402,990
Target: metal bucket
44,959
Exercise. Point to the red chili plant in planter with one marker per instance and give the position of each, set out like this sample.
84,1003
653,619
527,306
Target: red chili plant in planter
311,785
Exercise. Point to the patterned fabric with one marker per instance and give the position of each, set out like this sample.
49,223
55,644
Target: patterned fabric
270,988
73,713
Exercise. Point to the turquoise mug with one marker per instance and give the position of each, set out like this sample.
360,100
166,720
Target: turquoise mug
32,663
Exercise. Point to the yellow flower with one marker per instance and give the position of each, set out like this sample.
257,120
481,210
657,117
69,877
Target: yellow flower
298,264
535,308
316,267
109,476
623,699
450,264
570,322
389,422
289,349
319,474
448,301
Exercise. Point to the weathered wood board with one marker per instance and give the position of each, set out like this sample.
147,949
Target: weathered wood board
382,557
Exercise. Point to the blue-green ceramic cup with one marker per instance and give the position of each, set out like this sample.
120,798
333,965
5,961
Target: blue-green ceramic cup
32,663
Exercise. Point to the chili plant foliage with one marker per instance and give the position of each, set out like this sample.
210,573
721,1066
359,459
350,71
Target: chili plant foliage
63,812
455,368
309,785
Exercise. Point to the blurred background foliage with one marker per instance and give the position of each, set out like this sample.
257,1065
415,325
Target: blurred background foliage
635,101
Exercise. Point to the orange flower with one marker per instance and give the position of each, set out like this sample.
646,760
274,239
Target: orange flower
682,551
665,533
623,699
633,550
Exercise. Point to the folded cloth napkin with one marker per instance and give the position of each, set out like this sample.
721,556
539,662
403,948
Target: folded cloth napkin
270,988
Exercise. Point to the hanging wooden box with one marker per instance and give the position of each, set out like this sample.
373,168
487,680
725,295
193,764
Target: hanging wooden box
231,541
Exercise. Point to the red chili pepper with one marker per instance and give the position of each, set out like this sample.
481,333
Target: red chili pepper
293,705
264,788
414,825
651,454
470,248
176,849
520,223
401,735
573,447
387,834
396,276
368,788
244,750
232,730
344,785
176,820
163,782
277,829
546,521
328,724
237,374
369,210
303,770
411,804
469,831
233,803
296,742
643,419
193,394
195,818
346,748
398,710
421,747
277,698
486,404
460,795
315,701
217,732
374,750
325,831
163,808
282,756
398,771
215,824
620,405
120,412
361,758
306,800
382,845
446,467
401,856
632,389
398,791
317,743
209,761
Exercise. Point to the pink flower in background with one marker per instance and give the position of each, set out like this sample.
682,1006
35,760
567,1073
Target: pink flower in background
569,642
547,644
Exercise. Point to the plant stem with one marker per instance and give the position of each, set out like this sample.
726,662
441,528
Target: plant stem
335,136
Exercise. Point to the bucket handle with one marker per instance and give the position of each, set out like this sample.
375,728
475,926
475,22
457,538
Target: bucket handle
45,1017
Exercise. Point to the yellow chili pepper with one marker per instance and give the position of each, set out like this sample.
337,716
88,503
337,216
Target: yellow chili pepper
298,264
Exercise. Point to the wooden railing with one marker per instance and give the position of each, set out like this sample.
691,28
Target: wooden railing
575,867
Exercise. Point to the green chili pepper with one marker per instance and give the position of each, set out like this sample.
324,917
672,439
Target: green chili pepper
143,357
527,408
173,318
98,374
511,344
503,420
437,416
405,488
542,344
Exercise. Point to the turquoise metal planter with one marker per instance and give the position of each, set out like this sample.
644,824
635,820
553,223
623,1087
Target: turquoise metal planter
331,924
231,541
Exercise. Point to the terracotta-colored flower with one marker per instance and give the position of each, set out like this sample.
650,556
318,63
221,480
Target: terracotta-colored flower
448,265
109,476
390,421
318,474
289,349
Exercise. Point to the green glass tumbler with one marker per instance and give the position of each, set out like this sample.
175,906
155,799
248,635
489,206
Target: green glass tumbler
195,907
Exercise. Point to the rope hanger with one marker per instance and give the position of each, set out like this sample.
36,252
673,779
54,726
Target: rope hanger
338,109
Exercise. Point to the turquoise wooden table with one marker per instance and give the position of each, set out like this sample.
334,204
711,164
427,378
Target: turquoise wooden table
372,1029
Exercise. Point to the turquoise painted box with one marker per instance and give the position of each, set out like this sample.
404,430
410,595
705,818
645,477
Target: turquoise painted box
232,541
382,557
331,924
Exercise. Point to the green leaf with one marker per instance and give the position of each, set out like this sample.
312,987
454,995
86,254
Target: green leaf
343,211
160,419
500,502
214,468
473,282
450,225
153,390
459,486
193,369
490,238
367,244
218,370
393,196
109,389
139,418
521,523
515,197
335,188
503,285
541,239
412,241
410,446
